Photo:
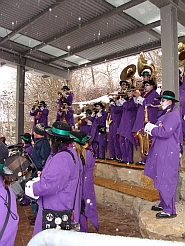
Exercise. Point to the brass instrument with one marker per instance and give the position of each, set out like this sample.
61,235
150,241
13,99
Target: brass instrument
144,138
128,73
60,94
142,65
181,54
36,103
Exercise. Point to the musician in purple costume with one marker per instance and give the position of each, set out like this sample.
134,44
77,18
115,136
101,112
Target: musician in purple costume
148,97
40,114
11,228
127,140
88,208
66,115
65,97
182,104
114,121
26,140
85,124
58,185
98,130
162,163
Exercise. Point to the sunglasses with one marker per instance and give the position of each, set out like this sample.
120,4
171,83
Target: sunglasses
164,100
147,85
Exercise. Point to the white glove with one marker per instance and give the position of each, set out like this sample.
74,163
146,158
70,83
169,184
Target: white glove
183,117
148,128
99,114
140,100
89,123
120,102
29,188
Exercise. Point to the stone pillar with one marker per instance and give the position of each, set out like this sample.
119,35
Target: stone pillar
169,45
20,102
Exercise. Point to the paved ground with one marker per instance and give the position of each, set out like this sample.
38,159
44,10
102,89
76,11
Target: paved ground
112,222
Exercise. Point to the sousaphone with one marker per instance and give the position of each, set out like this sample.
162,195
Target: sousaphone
128,73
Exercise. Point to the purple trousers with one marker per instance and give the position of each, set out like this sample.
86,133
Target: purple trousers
170,209
83,223
99,150
114,145
126,149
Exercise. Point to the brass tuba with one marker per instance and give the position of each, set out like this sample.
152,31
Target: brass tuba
181,54
128,73
142,65
144,138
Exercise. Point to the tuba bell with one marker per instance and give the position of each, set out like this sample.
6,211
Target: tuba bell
142,65
128,73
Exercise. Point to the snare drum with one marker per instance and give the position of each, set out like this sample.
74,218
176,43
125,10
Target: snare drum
17,163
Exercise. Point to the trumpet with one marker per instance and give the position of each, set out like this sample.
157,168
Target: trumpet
36,103
60,94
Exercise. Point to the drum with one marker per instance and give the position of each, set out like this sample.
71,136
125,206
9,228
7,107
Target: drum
17,163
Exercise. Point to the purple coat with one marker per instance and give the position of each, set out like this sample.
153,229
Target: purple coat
88,192
28,148
40,117
69,116
127,120
85,127
115,116
182,105
152,112
99,121
62,99
162,163
58,185
9,235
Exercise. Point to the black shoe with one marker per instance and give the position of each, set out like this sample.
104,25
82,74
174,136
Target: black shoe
110,159
129,162
32,222
121,161
156,208
140,163
164,215
31,217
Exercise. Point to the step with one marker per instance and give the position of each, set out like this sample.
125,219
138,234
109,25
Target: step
132,190
133,166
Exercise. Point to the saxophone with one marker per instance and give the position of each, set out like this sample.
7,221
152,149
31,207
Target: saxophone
144,138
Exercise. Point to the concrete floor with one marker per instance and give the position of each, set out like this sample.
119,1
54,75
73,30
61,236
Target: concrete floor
111,222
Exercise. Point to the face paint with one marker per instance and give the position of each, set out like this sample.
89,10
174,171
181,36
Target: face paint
164,103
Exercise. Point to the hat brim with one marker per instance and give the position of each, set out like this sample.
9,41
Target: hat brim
174,100
6,171
49,132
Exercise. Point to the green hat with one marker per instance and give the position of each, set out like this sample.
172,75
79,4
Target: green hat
168,95
59,129
76,137
85,137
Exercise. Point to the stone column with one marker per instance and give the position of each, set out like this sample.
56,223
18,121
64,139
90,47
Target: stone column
20,102
169,45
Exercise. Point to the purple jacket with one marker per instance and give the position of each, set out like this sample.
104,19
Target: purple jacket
127,120
162,163
182,105
88,191
28,148
85,127
9,235
99,121
62,99
58,185
152,111
69,116
40,117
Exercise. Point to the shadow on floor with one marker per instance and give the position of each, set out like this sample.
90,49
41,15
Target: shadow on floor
111,222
